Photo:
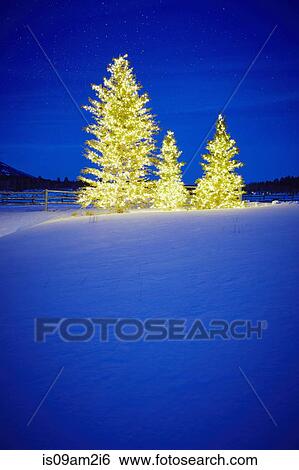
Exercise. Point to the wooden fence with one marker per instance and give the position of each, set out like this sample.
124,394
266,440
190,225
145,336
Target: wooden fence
51,197
38,198
270,197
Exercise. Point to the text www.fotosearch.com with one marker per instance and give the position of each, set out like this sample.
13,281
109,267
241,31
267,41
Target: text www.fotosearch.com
146,460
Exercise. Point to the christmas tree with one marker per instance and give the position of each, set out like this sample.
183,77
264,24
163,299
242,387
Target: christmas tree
170,192
220,186
122,145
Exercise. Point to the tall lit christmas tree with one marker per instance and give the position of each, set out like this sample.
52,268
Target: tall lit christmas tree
123,142
170,192
220,186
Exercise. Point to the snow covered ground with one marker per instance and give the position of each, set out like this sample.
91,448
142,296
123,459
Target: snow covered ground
230,264
14,218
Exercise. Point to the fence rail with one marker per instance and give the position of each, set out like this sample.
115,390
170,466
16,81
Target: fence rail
49,197
270,197
38,198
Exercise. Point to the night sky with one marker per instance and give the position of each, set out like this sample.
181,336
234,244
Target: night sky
190,56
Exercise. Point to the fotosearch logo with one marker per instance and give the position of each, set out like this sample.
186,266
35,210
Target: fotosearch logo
151,329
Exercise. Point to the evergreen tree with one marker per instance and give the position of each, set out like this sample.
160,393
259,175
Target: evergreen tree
170,192
220,186
123,143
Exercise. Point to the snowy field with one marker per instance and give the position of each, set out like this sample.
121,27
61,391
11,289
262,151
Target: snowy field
14,218
230,264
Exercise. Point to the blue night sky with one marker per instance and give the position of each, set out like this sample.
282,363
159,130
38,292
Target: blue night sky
189,56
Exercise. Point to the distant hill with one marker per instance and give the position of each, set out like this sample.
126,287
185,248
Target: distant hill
12,179
287,184
6,170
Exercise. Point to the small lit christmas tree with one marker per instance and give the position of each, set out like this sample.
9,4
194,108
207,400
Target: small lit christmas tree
123,143
170,192
220,186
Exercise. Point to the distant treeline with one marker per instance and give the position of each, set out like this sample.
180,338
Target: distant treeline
20,183
287,184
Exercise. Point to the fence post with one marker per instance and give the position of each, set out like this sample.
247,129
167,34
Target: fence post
46,199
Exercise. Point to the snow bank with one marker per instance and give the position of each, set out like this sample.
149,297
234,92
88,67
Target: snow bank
229,264
14,218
